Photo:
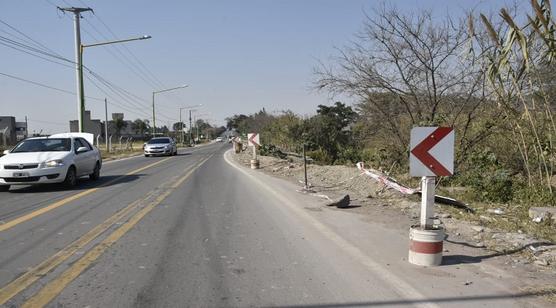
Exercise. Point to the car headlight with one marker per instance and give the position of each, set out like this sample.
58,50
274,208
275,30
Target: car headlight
54,163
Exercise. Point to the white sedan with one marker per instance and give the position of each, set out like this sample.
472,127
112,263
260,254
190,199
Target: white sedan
61,158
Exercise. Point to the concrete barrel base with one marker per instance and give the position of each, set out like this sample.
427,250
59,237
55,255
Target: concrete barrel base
255,164
425,246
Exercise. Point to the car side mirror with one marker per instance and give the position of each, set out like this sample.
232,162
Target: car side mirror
81,150
6,152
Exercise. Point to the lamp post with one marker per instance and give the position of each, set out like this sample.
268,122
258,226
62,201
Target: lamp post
181,123
80,87
160,91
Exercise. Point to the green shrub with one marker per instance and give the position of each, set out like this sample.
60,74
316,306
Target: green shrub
487,178
348,156
272,150
320,157
537,195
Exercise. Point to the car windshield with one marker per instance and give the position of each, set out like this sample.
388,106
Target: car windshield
43,145
159,141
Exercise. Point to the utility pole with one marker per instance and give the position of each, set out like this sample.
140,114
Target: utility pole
78,61
190,128
181,128
195,120
26,128
106,124
154,122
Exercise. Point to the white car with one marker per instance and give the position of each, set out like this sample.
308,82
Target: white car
160,146
219,139
61,158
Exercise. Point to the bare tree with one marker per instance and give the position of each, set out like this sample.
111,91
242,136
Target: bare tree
412,71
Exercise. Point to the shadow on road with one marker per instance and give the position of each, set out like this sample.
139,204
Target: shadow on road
83,183
439,300
463,259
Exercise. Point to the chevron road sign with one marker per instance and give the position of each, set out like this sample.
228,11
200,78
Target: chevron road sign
432,151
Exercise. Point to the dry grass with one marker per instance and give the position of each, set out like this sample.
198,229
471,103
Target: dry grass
121,152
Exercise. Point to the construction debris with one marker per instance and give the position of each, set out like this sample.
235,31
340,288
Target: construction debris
340,203
539,214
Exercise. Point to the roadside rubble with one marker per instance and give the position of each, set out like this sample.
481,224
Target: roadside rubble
540,214
379,202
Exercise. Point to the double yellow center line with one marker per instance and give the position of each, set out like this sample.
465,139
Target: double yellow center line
12,223
57,285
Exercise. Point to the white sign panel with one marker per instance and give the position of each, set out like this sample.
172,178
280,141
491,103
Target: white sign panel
253,140
432,151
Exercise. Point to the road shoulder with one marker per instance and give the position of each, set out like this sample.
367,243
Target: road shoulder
385,246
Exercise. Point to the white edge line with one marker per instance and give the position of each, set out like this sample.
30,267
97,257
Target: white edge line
401,286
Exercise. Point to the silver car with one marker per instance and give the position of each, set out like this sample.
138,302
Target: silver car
160,146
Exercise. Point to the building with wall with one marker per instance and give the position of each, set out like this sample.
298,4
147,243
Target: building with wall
20,130
89,125
7,130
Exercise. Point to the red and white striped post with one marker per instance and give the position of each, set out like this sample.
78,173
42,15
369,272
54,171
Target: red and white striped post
431,155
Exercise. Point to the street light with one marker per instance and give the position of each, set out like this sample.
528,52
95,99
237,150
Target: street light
166,90
81,91
181,123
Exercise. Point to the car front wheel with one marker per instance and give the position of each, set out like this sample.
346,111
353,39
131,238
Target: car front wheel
71,178
4,187
96,173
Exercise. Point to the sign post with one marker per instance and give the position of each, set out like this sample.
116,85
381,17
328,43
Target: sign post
431,155
253,140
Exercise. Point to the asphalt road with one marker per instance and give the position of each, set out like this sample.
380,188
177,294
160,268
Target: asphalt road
184,231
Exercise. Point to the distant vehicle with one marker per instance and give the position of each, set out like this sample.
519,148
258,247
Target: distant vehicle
160,146
61,158
219,139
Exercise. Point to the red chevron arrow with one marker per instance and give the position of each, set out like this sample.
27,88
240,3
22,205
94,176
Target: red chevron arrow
252,139
421,151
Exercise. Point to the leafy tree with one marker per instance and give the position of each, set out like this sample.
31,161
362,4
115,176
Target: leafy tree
235,121
178,126
252,123
284,131
329,131
119,124
164,130
140,126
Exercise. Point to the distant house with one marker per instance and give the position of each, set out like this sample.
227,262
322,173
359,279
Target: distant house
96,127
21,130
89,125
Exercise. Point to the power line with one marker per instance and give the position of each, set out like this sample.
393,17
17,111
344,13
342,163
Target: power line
41,51
120,58
141,64
36,43
33,49
44,85
35,55
114,101
145,69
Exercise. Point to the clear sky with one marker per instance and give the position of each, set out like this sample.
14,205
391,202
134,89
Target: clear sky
236,56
